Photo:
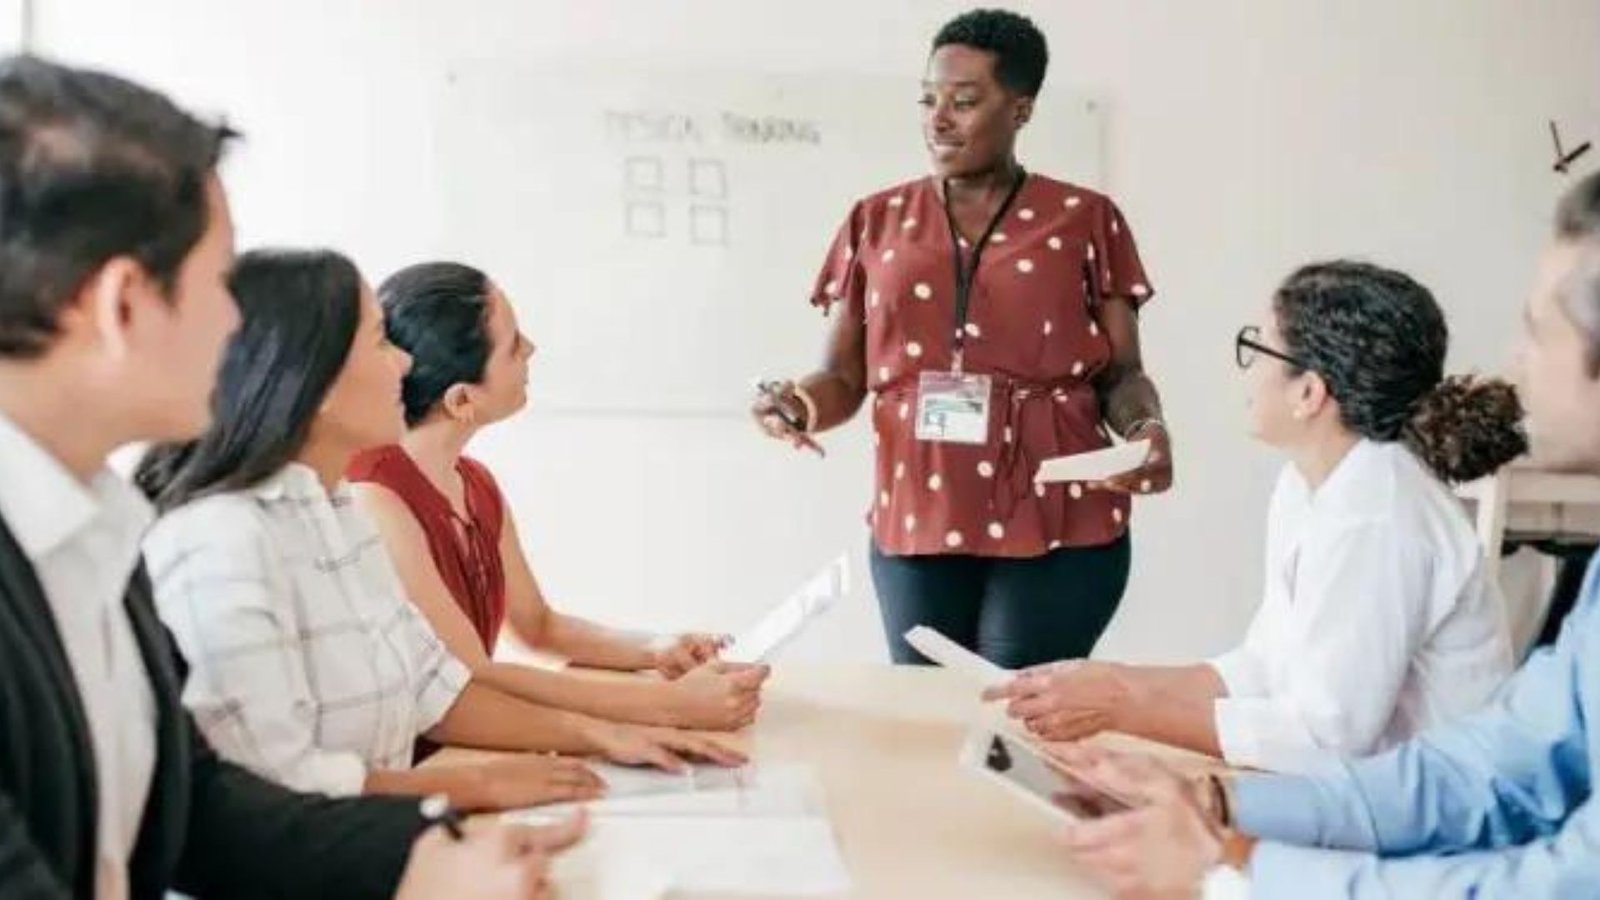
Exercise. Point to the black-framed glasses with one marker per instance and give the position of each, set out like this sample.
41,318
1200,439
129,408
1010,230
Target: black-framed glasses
1247,346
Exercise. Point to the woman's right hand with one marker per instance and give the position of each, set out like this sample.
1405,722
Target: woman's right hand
717,696
664,748
494,860
775,409
527,779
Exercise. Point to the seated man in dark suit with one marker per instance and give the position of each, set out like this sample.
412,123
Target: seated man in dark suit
115,244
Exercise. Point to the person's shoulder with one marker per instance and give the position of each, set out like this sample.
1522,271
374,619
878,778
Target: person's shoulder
476,469
227,522
380,464
228,512
1394,493
1050,186
483,479
894,196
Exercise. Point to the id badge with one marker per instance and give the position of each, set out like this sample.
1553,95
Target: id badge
953,408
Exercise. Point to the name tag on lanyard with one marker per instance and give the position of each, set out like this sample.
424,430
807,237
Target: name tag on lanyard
953,407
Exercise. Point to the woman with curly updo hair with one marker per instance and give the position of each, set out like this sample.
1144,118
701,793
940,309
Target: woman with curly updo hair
1376,620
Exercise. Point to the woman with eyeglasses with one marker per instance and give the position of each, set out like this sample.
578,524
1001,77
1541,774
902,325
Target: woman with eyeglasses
1376,620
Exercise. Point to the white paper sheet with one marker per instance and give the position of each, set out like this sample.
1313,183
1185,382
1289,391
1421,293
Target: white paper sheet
1096,465
786,620
627,858
768,791
951,655
768,835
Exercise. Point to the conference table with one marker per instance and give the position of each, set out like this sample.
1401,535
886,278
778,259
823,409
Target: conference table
910,823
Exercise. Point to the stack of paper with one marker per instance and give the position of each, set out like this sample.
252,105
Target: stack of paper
756,830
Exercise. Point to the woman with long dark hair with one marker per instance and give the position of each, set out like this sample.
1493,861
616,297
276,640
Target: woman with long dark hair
307,663
1376,620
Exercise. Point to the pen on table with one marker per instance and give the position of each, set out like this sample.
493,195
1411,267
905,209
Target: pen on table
436,810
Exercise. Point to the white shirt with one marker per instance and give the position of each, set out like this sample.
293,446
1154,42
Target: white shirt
83,542
1376,622
308,665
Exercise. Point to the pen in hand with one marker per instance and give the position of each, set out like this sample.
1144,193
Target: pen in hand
799,436
437,811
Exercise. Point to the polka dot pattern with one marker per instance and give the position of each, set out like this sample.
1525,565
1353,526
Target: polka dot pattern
1032,318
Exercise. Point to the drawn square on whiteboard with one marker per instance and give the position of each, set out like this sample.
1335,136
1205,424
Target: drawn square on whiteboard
708,225
645,174
708,178
645,218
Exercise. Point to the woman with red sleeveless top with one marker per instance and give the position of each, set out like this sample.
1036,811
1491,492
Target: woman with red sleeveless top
455,543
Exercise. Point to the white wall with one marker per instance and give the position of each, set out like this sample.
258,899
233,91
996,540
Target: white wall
1245,136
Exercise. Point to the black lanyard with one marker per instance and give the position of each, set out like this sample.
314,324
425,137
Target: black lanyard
967,274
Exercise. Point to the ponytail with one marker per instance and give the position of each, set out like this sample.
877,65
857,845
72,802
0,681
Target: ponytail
1466,428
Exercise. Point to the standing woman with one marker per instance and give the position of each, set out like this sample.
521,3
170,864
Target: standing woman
993,313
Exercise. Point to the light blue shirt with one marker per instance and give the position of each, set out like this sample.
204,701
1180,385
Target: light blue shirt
1497,805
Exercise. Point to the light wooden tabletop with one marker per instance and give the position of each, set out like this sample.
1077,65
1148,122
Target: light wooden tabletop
910,823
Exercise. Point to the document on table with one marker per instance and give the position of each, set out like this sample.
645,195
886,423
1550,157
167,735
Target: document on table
758,830
645,858
769,791
786,620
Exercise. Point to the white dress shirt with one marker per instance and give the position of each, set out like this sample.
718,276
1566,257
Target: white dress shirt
308,665
1376,622
83,542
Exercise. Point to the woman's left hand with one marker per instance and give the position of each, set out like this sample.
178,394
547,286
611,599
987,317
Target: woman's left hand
1154,476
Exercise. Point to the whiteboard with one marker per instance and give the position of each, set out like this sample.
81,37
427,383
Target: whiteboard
659,231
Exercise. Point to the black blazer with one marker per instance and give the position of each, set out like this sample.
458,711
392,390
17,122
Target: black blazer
210,828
